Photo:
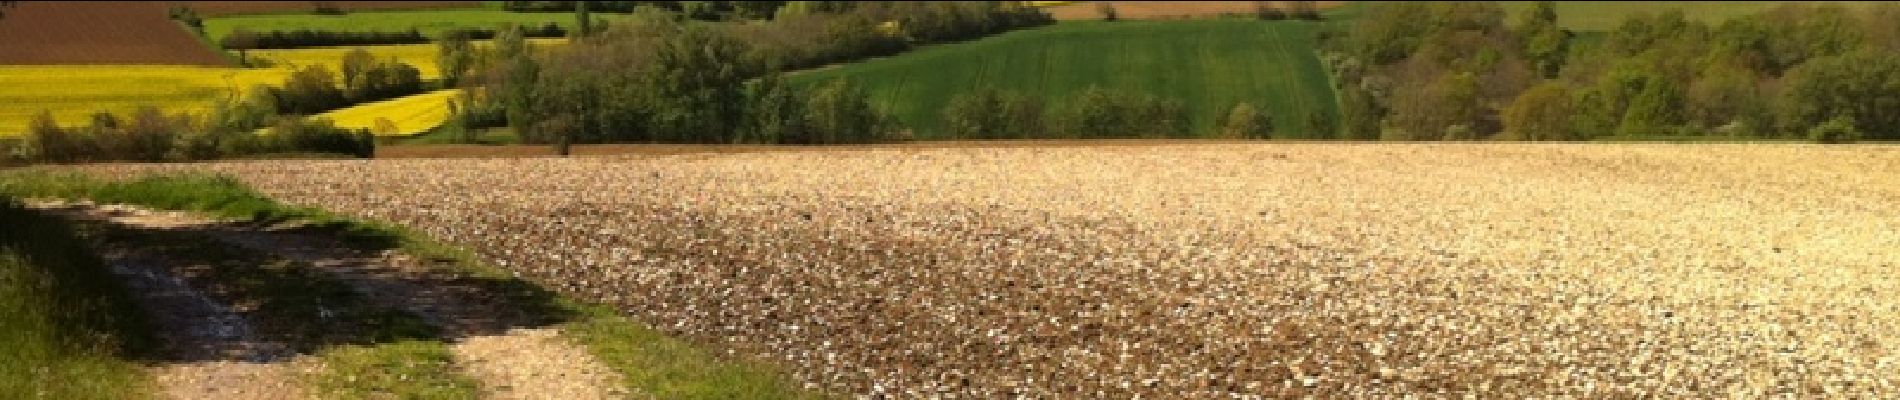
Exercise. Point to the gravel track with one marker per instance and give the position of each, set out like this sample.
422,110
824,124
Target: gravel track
509,362
212,351
1207,271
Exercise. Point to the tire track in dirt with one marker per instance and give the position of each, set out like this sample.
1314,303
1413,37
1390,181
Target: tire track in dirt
491,343
210,350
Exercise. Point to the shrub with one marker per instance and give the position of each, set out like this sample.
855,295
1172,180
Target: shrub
1245,122
309,90
47,141
302,135
1099,113
1108,11
1839,129
384,80
1267,11
988,113
839,113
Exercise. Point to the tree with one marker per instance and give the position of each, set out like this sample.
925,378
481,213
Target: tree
1362,113
699,84
1727,98
1244,121
511,42
1320,125
1267,11
776,114
584,24
243,41
1862,87
356,62
454,56
1431,111
839,113
1544,42
1656,110
1107,9
309,90
48,142
1541,113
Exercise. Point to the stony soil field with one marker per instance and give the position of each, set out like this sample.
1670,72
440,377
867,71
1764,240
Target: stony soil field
1203,271
98,32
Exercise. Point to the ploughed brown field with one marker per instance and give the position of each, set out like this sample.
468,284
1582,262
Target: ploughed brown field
98,32
1088,10
1205,270
215,8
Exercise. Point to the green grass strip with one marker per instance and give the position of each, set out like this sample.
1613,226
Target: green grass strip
400,370
67,328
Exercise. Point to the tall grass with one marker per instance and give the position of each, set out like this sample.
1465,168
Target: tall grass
66,326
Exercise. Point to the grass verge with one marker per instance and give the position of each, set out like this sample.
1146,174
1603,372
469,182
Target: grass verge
406,370
650,361
66,326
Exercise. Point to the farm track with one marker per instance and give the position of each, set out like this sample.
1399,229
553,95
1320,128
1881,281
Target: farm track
1204,270
218,355
210,351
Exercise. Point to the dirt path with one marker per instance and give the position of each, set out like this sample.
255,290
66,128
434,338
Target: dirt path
211,351
218,356
510,362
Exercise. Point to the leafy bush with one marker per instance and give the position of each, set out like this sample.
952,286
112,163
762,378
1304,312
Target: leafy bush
309,90
300,135
549,30
1100,113
840,114
989,113
1836,130
1245,122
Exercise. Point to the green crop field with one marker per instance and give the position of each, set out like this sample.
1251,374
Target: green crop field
1607,15
1208,64
429,22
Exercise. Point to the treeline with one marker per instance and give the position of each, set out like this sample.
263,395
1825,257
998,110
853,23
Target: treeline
150,135
315,89
655,78
1458,71
1097,113
1094,113
241,39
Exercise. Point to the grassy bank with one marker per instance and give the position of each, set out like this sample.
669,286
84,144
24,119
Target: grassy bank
67,329
652,362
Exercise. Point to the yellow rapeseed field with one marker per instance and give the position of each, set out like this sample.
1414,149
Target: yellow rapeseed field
73,92
397,117
422,56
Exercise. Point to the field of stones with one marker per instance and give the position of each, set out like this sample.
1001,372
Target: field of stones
1204,270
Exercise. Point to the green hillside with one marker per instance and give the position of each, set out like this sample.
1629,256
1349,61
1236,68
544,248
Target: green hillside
1208,64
